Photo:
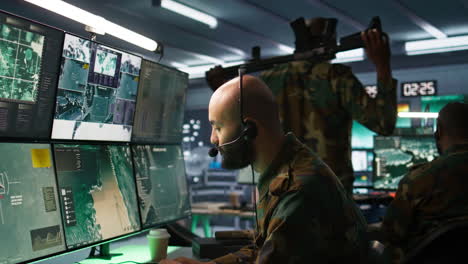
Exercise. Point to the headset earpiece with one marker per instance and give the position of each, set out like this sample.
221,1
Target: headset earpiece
250,130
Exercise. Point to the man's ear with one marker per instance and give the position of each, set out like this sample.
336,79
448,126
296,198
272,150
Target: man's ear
250,131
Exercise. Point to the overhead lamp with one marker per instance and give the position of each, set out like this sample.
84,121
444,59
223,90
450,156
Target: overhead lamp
130,36
196,72
178,65
436,45
349,56
189,12
418,115
99,24
285,48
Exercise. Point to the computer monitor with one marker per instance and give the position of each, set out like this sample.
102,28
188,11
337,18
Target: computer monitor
96,96
161,104
361,136
29,65
395,155
97,192
30,222
403,122
362,160
161,183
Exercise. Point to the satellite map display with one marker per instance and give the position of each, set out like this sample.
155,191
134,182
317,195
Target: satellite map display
30,222
395,155
161,183
97,191
21,54
29,63
161,104
96,92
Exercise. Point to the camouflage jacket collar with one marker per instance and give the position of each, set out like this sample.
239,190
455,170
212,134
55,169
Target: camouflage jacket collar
461,147
284,156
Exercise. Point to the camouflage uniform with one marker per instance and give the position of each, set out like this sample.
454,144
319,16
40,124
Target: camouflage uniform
318,103
428,196
305,214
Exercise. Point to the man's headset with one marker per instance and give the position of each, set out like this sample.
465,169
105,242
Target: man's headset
249,129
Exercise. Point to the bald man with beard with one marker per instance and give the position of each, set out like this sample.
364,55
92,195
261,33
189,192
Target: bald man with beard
304,213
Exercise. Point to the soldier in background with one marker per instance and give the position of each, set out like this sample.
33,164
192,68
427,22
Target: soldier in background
318,101
431,194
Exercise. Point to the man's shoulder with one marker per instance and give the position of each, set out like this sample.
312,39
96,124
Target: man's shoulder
422,177
422,171
302,168
306,172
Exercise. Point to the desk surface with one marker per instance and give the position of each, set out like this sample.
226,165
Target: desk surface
139,254
210,208
133,249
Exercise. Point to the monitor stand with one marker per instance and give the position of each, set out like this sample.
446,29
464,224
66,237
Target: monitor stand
102,253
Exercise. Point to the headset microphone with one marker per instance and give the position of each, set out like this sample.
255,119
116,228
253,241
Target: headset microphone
213,152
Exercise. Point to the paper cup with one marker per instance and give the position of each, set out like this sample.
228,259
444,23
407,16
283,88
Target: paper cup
158,240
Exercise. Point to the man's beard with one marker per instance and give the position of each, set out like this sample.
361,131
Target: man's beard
236,155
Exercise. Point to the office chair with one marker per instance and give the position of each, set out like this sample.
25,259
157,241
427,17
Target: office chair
448,244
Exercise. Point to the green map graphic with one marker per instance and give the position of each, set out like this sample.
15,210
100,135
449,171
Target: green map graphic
30,222
20,63
395,155
98,192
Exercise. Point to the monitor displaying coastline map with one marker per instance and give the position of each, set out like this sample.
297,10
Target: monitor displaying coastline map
97,191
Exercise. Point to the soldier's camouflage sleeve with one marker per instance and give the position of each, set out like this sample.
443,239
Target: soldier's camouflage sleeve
399,216
245,255
295,236
285,243
378,114
395,226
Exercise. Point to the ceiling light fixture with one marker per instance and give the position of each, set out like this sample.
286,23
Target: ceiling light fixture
285,48
98,23
349,56
196,72
436,45
418,115
189,12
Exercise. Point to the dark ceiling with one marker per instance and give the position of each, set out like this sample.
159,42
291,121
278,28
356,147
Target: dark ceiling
243,24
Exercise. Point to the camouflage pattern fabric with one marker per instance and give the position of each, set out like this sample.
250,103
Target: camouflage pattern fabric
318,103
304,214
429,196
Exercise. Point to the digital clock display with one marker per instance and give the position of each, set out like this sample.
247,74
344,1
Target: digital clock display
421,88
